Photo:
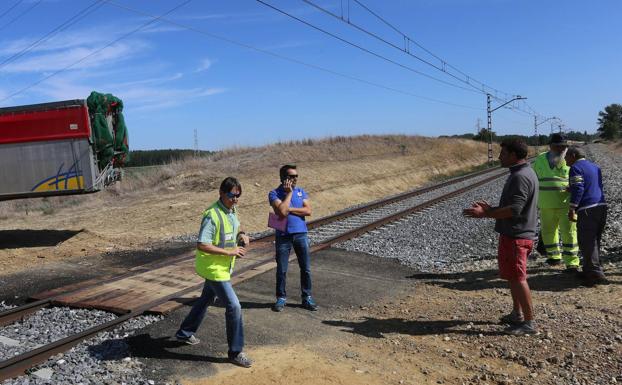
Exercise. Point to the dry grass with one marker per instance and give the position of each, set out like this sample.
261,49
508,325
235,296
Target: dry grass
153,204
335,155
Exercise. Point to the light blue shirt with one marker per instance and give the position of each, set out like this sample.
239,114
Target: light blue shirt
208,227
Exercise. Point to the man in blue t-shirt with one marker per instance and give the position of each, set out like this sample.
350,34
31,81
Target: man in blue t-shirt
292,202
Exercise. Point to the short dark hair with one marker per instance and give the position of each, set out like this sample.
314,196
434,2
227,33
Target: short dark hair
283,170
229,183
516,146
576,152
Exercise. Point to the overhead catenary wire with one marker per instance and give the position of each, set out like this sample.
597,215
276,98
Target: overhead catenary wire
13,20
444,65
18,2
279,56
472,89
141,27
68,23
290,59
467,80
365,49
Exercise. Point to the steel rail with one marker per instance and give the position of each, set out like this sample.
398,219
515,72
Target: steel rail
19,364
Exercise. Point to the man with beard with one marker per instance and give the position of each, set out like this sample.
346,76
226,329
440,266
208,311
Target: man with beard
553,202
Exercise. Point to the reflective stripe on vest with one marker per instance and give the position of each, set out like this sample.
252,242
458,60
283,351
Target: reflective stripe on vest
216,267
225,243
553,183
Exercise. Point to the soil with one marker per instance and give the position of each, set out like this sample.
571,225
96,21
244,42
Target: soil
449,333
157,205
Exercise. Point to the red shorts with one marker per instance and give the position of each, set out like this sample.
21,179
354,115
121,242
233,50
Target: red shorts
512,257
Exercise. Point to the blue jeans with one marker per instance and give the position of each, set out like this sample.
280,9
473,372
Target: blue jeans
284,245
233,314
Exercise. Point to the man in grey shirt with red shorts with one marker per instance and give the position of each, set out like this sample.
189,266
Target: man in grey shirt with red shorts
516,222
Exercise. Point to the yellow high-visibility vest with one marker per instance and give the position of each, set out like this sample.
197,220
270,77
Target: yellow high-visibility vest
216,267
552,192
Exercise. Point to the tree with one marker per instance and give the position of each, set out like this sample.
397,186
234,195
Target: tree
610,121
484,136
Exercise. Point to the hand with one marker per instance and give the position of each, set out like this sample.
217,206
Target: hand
485,205
244,238
572,215
287,185
237,252
477,210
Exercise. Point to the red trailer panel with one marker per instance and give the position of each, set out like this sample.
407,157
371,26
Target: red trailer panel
44,122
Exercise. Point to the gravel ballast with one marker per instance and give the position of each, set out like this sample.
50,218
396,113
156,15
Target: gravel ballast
438,240
441,240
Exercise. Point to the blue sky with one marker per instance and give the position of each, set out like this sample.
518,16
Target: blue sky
563,55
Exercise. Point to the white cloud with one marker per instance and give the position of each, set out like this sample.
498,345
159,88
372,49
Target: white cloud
58,60
139,95
151,98
204,65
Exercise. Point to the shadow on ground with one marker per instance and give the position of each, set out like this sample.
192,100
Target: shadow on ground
542,279
16,239
376,328
151,347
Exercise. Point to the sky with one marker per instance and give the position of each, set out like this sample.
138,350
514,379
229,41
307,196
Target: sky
243,74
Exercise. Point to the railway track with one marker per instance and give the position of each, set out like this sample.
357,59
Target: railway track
323,233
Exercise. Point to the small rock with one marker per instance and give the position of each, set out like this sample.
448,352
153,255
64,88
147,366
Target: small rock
44,374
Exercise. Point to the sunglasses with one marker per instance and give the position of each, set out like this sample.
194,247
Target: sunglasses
292,177
231,195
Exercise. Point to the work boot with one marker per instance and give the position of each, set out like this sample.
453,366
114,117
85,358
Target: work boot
553,261
571,270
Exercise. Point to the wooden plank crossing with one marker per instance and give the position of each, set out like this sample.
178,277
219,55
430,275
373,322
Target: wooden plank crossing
147,284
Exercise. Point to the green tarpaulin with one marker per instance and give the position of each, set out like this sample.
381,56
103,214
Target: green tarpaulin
111,141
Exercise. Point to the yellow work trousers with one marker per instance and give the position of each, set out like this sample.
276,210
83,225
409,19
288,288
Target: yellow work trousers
554,222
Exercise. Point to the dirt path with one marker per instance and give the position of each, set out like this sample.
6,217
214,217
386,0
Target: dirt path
449,334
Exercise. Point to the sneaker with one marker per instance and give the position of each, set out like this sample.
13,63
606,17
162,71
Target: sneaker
309,304
512,318
553,261
192,340
279,304
242,360
524,328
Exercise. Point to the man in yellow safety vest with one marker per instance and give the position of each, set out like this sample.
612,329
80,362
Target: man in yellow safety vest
553,202
220,242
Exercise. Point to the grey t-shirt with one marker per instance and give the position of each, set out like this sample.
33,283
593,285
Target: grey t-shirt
520,192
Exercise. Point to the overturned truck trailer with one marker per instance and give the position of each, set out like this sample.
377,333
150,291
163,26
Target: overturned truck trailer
61,148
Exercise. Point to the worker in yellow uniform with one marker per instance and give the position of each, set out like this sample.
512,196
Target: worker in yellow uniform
553,202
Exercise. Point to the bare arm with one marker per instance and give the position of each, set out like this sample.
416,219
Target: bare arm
303,211
211,249
281,207
482,209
